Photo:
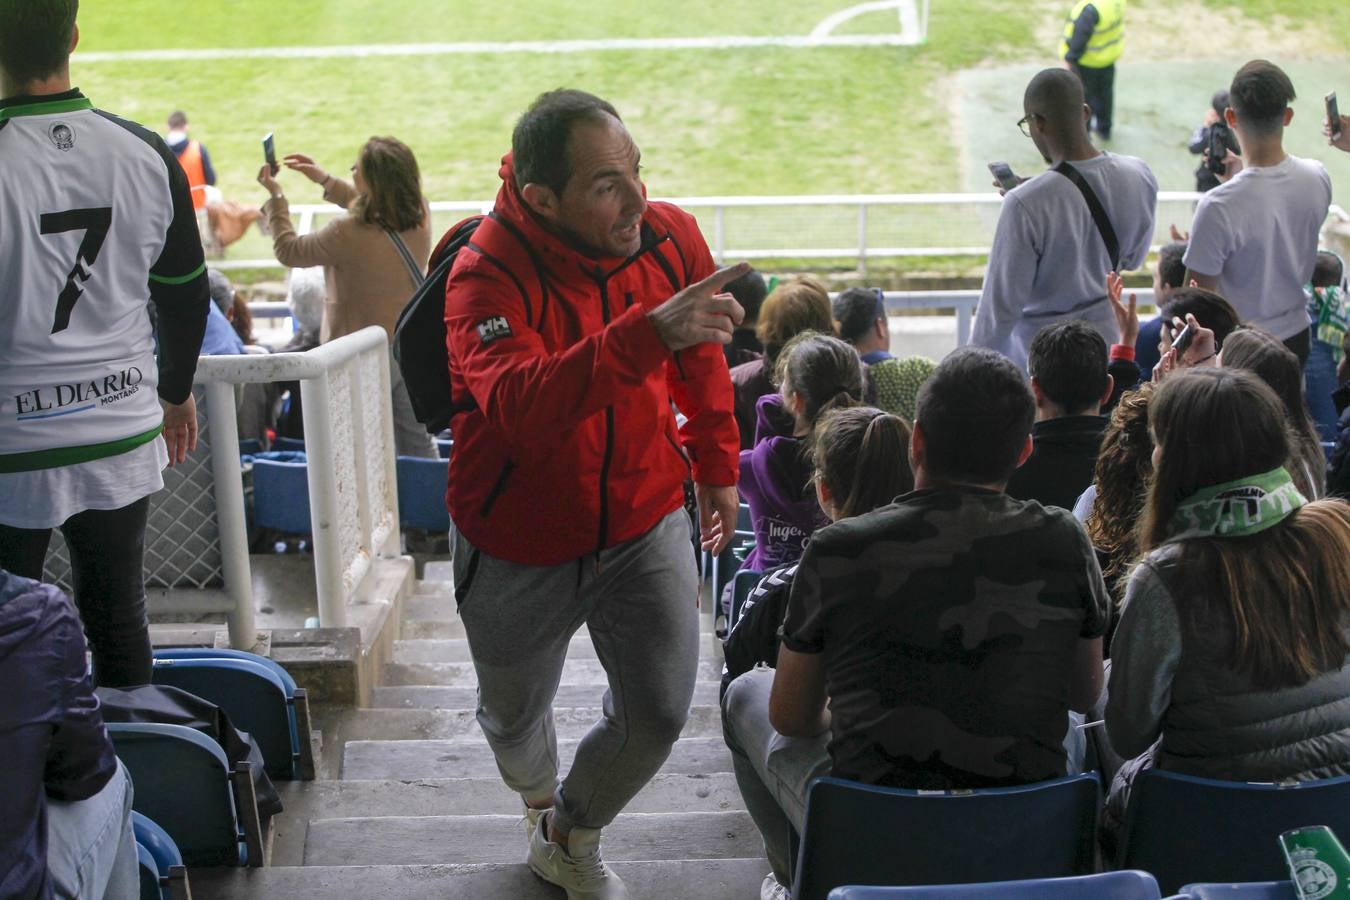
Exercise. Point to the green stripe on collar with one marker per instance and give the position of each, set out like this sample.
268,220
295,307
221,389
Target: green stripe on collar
50,108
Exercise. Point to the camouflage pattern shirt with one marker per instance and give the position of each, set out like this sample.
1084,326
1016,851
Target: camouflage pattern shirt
949,621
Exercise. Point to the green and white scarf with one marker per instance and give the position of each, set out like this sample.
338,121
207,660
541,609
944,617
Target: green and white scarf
1237,508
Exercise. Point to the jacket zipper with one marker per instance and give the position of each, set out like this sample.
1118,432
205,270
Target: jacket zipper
603,282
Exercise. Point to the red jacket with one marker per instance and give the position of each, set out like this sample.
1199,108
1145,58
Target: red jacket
566,441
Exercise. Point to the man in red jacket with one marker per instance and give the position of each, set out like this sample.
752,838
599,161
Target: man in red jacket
574,320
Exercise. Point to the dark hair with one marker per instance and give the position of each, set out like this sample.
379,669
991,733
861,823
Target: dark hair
1286,589
1124,463
1068,361
1171,269
862,456
177,119
540,143
823,370
1328,271
241,318
749,291
1209,309
975,412
1260,94
1220,101
794,306
1057,96
1269,359
856,311
35,37
393,197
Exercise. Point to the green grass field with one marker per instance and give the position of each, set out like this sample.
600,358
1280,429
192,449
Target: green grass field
743,121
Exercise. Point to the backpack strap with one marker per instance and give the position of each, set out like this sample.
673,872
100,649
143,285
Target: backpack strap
1098,212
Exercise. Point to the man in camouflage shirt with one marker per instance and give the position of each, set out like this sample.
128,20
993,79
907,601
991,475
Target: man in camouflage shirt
951,632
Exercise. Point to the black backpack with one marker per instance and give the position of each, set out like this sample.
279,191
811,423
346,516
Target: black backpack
419,336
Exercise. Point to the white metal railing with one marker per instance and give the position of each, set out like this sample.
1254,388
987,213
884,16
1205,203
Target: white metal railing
860,227
353,493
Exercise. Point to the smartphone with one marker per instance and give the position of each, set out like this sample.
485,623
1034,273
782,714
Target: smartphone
270,153
1333,115
1003,174
1183,339
1218,148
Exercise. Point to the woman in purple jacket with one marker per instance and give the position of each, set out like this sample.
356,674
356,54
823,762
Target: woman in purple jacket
815,373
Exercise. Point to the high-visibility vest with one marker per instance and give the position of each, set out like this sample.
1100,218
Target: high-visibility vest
191,161
1108,38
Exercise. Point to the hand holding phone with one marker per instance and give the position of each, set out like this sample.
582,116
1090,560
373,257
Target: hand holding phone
1004,175
1333,117
270,153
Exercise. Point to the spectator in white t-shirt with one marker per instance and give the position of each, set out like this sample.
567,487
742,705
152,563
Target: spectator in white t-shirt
1254,238
1049,260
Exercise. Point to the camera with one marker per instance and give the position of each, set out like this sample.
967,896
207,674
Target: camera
1218,146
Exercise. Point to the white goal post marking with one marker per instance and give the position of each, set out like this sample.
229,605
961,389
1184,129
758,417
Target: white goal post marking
913,30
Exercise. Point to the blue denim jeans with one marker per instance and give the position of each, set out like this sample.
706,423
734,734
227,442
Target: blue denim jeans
91,852
1319,376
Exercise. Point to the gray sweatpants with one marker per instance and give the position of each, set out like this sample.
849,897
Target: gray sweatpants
638,601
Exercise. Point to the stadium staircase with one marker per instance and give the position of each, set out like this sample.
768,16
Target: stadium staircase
409,803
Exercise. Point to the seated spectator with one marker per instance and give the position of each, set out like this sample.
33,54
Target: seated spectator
1210,310
1330,314
1111,506
1168,277
892,384
306,296
1067,363
1230,658
816,373
1270,360
749,291
1338,471
898,619
65,801
861,457
220,339
793,306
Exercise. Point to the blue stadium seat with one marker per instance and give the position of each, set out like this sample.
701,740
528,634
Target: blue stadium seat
1185,829
1127,885
444,446
1251,890
185,784
250,446
281,495
741,586
421,493
288,445
163,875
257,694
1328,447
741,542
858,834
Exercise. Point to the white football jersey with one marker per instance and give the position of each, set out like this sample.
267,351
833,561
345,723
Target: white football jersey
93,209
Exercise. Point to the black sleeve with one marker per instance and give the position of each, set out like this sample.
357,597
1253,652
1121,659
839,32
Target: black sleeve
178,284
208,171
1082,32
754,639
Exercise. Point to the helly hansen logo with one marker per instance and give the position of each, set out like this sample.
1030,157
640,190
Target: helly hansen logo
493,329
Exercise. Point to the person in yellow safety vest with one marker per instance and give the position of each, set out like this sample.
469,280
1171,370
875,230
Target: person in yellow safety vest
192,156
1094,37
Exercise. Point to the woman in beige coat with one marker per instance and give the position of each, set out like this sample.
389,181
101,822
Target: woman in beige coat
367,277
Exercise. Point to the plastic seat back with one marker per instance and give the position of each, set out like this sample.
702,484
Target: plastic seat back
281,495
421,493
254,697
182,782
1185,829
858,834
289,445
149,872
1251,890
1106,886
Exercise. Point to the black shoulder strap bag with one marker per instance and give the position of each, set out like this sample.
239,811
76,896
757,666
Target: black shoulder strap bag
1098,212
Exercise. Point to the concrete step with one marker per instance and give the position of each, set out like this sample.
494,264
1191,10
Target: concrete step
461,674
412,651
408,760
417,696
432,629
425,840
571,723
710,879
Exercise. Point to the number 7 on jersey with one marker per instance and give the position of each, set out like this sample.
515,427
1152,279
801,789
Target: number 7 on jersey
94,222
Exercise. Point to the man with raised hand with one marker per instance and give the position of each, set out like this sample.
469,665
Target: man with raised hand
576,318
1051,251
1254,237
96,222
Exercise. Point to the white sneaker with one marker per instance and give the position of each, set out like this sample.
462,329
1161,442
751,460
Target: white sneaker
583,875
530,816
771,889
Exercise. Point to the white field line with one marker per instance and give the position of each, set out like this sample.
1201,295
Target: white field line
821,36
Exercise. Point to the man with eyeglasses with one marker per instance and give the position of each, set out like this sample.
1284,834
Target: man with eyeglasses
1051,252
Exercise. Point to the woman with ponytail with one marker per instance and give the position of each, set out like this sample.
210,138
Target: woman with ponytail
815,373
1230,660
861,457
